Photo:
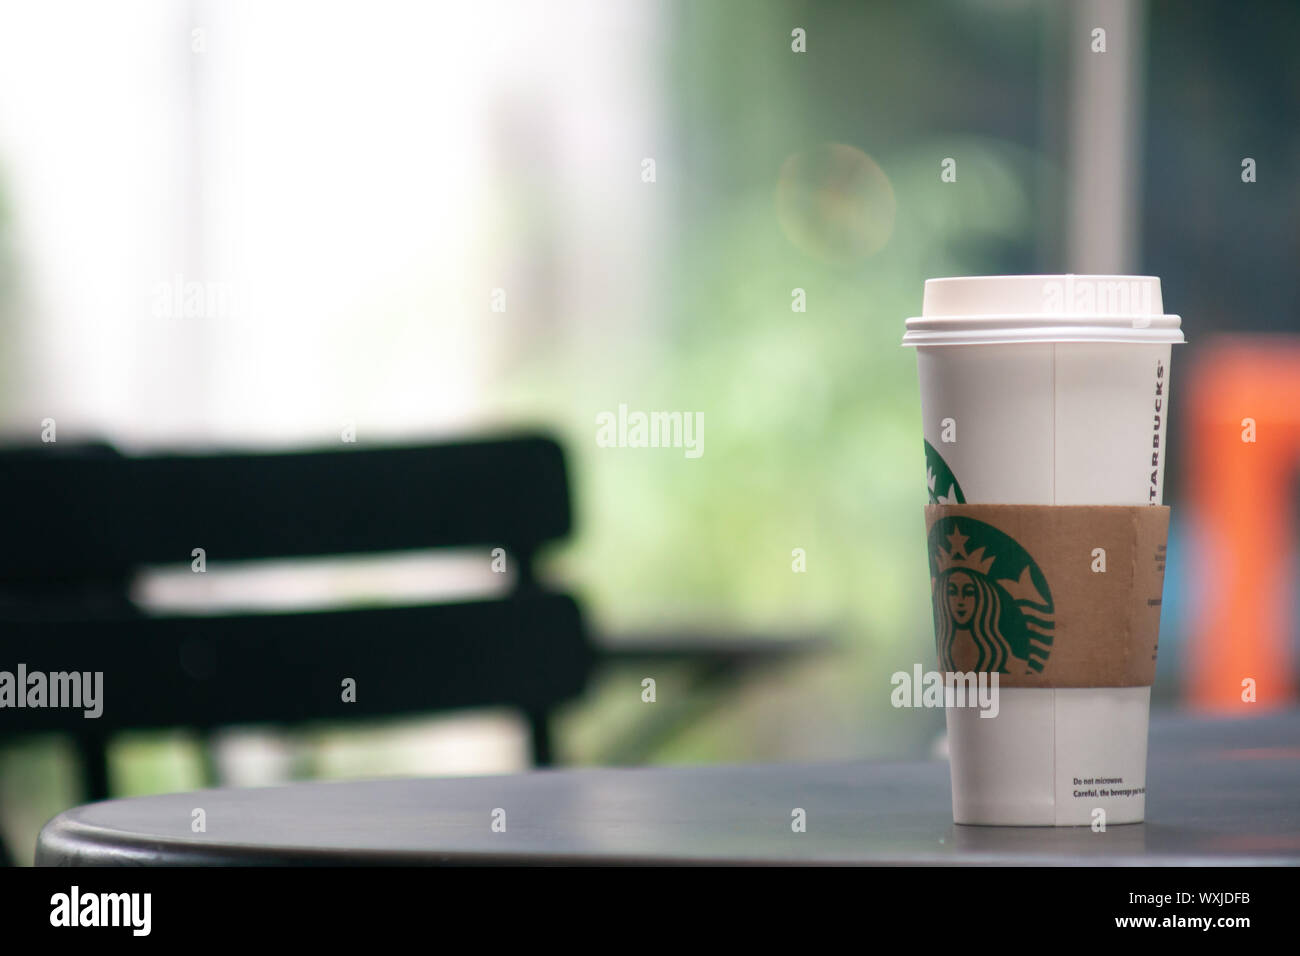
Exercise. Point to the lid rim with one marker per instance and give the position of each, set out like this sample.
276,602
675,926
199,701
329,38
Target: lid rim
1050,337
1082,317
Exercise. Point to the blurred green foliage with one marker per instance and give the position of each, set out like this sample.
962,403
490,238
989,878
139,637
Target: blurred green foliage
812,419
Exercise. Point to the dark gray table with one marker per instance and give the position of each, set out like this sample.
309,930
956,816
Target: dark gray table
1219,792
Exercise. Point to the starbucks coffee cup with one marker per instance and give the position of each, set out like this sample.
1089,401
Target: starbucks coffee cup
1042,390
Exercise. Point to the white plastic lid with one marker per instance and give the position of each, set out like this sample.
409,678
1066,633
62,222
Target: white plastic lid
975,310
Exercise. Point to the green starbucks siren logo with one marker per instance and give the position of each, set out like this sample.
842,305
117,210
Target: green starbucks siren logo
942,483
993,610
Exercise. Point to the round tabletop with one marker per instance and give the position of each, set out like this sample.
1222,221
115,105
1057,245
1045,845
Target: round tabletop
1221,792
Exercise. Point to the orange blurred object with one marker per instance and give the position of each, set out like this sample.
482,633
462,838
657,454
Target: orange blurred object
1242,470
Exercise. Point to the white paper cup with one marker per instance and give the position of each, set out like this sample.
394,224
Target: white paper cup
1046,390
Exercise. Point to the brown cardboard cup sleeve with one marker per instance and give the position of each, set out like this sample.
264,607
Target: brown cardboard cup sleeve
1048,595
